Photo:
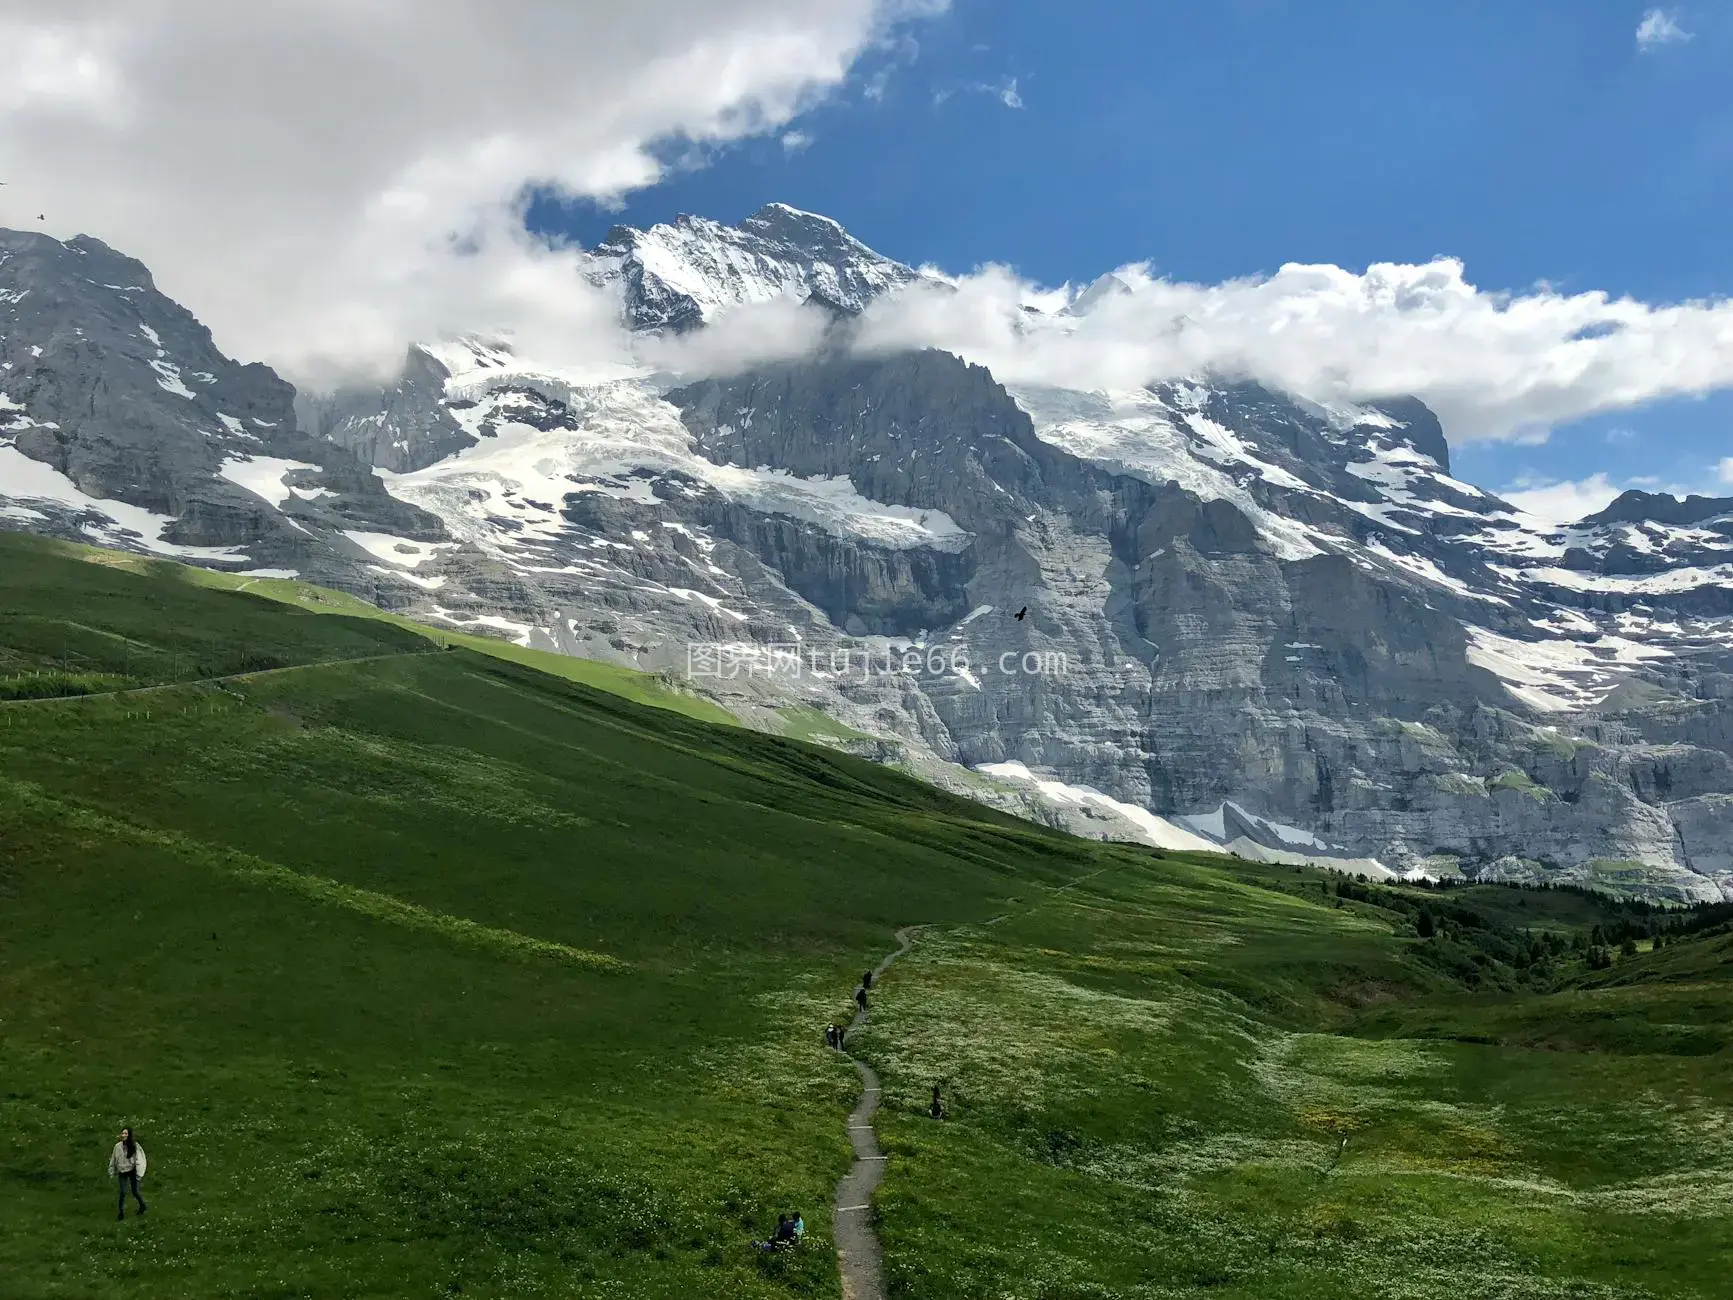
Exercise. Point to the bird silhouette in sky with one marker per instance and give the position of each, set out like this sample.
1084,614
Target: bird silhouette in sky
1019,614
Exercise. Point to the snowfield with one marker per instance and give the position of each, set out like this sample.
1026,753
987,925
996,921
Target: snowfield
1557,676
1154,830
1134,432
522,475
29,480
263,476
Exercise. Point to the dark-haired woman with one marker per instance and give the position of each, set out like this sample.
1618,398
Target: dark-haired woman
126,1163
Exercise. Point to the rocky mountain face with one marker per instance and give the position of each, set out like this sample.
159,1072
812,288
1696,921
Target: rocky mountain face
401,429
120,422
1198,614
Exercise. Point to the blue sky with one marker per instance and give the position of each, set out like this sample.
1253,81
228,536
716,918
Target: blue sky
1536,142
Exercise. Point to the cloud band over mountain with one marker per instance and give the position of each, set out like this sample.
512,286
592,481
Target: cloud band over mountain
322,182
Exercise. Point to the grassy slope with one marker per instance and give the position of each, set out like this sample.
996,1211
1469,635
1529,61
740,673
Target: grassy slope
805,723
432,974
32,560
280,926
1151,1053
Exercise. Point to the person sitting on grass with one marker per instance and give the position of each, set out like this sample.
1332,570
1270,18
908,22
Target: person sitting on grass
799,1229
782,1238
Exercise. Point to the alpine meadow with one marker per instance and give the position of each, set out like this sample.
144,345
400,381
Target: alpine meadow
423,970
866,650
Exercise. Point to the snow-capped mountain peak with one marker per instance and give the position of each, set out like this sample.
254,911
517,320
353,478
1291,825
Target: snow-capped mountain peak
800,229
679,275
1103,289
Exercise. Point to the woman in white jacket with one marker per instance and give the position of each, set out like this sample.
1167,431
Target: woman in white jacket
126,1163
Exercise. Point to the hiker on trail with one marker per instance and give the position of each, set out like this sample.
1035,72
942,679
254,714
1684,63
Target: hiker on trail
841,1033
937,1109
126,1163
866,981
830,1035
860,997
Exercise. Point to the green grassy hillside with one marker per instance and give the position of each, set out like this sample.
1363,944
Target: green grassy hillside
192,634
1235,1091
421,971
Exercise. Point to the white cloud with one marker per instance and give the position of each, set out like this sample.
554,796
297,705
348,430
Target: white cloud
1005,92
901,50
1565,502
795,141
1492,365
294,173
759,333
1659,27
297,174
1724,472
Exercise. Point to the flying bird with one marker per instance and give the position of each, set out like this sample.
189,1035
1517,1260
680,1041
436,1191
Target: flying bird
1019,614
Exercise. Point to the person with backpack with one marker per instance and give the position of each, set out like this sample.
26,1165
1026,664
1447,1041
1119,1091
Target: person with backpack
126,1163
861,999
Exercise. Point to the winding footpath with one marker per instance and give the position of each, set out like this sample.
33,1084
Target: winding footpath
857,1246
